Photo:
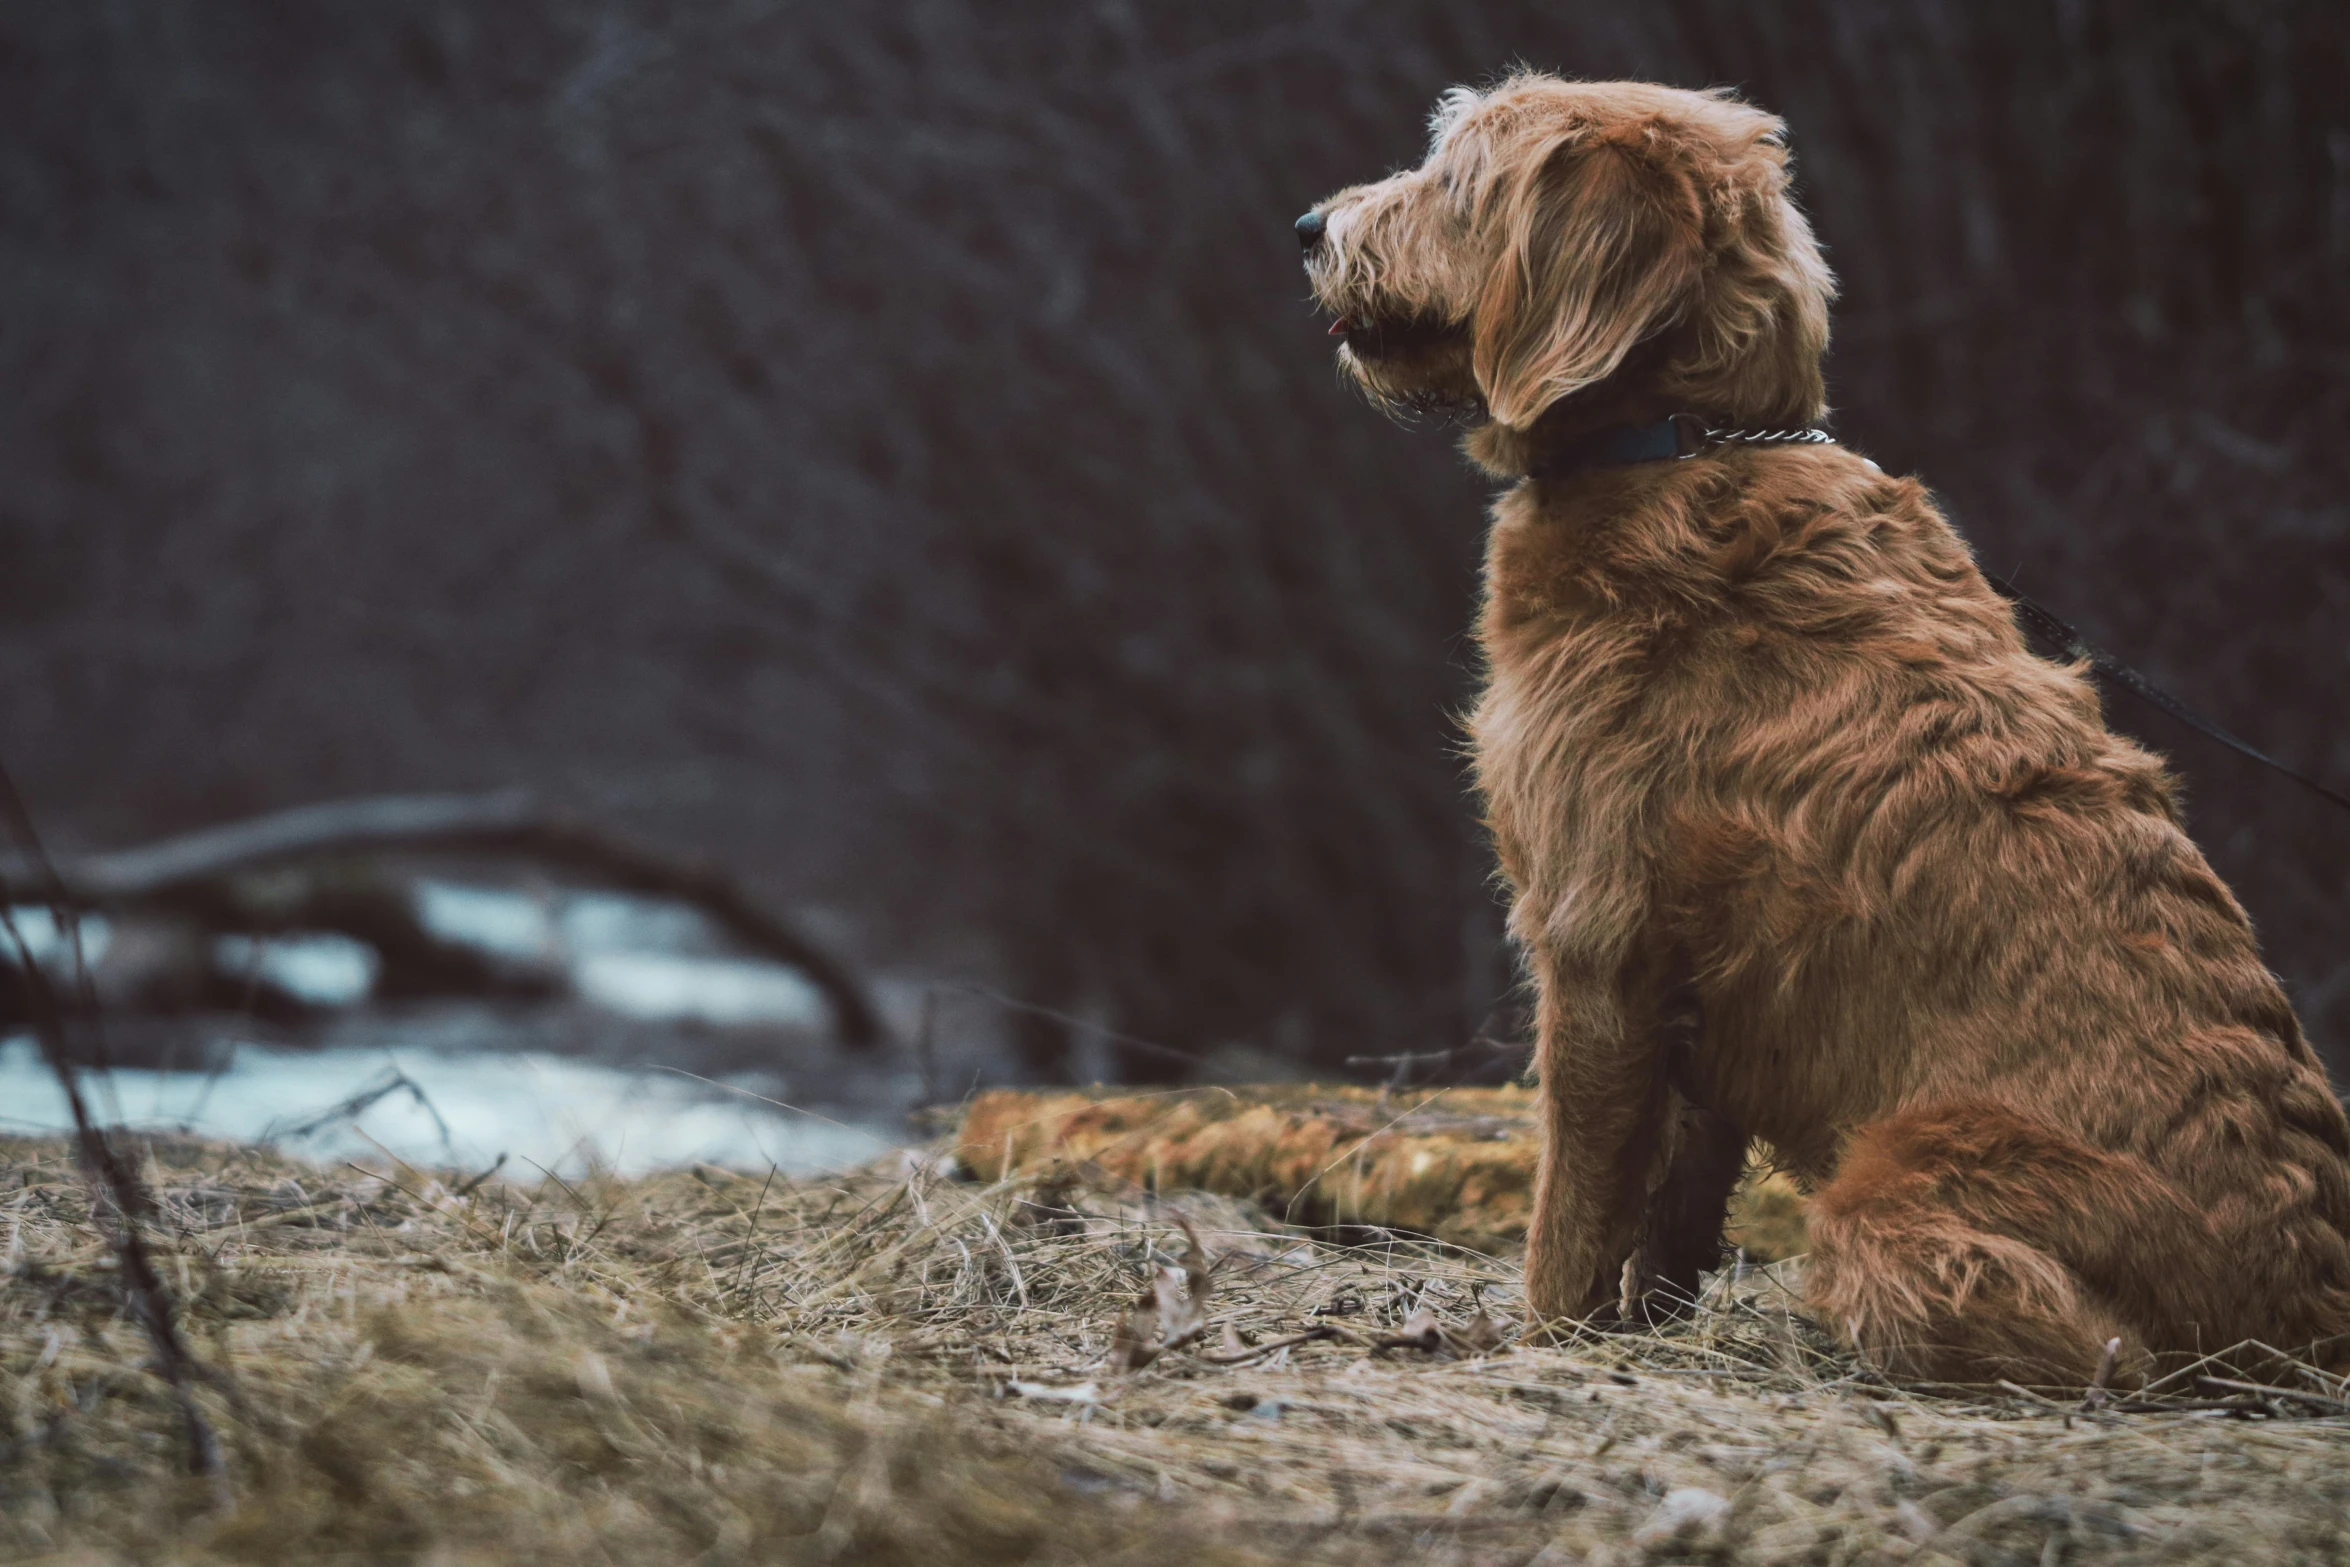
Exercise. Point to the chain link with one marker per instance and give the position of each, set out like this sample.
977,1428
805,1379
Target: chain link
1809,435
1695,435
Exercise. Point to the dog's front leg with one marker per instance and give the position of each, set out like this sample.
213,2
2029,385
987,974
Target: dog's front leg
1603,1101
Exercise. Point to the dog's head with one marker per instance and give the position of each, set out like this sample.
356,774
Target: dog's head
1626,245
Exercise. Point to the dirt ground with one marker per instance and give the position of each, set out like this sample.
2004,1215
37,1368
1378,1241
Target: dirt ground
897,1366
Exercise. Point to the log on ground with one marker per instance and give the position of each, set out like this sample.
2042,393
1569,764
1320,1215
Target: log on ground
1456,1163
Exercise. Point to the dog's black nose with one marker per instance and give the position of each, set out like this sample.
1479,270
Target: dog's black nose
1309,230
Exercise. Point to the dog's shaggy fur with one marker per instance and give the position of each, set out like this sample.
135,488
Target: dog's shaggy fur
1757,734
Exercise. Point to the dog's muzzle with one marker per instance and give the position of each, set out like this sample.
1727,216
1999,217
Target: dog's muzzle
1309,230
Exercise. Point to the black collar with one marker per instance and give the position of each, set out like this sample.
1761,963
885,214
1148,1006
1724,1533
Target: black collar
1681,435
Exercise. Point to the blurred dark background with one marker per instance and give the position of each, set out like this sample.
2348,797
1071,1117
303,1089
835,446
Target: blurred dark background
887,445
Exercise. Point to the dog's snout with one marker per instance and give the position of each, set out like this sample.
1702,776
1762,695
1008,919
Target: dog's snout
1309,230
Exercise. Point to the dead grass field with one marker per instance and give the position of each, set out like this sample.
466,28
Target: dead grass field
891,1366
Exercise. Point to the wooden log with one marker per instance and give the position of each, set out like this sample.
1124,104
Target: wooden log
1457,1163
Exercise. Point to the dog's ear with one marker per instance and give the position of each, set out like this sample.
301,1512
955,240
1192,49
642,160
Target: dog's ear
1600,247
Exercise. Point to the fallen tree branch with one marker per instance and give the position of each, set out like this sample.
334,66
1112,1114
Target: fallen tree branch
334,826
507,821
1248,1352
2317,1401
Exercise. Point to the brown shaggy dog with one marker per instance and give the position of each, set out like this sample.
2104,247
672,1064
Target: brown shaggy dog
1758,736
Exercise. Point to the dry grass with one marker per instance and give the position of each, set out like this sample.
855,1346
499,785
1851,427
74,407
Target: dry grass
892,1367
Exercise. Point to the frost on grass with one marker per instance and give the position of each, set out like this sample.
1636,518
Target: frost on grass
890,1366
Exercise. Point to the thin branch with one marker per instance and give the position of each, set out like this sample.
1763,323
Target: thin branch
111,1180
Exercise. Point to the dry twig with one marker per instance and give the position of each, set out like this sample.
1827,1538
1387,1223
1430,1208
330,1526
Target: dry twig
114,1187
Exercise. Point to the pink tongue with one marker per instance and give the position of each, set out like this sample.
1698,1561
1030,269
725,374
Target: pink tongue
1342,326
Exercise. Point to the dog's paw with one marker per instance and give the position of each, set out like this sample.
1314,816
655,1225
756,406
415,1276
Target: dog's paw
1597,1310
1647,1299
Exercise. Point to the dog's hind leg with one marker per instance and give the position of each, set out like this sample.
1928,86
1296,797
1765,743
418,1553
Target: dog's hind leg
1704,1153
1971,1243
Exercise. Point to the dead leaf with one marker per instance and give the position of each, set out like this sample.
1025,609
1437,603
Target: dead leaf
1420,1331
1481,1335
1425,1332
1173,1312
1183,1313
1199,1270
1134,1342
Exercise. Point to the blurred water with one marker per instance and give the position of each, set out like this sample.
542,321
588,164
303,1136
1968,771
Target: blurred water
461,1109
510,924
645,958
44,938
641,957
318,967
466,1082
727,992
